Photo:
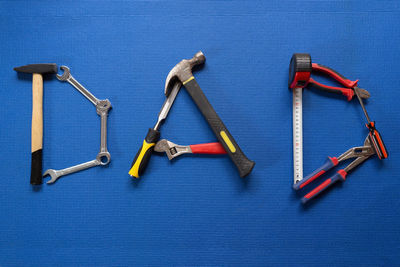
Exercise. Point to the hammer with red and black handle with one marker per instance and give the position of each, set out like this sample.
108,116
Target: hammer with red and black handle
182,72
37,71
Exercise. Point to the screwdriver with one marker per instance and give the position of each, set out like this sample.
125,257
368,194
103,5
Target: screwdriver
374,135
142,157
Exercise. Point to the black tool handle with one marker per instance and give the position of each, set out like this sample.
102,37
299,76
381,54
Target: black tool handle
142,157
243,164
36,167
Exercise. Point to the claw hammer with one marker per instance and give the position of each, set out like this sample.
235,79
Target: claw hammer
182,72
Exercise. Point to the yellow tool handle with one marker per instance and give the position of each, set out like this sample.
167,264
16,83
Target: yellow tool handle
142,157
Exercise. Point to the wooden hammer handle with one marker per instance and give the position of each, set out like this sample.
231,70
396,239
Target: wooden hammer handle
37,129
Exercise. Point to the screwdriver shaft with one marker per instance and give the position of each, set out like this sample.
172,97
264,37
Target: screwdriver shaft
362,104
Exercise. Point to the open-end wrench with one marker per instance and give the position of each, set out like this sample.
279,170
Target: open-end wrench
103,158
102,108
66,76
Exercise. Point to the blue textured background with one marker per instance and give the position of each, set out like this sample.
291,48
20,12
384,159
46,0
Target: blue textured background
196,210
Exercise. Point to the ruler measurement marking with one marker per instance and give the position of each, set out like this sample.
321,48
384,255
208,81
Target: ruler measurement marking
297,135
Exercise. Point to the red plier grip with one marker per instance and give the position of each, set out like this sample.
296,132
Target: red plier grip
349,84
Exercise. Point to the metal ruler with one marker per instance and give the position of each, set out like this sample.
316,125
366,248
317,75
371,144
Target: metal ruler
297,135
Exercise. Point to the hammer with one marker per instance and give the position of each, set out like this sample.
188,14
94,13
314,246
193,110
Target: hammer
182,73
37,115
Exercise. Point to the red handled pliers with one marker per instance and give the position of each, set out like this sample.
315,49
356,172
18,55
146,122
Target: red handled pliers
361,154
349,85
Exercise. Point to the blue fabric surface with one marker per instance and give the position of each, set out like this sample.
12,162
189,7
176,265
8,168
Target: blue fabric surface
196,211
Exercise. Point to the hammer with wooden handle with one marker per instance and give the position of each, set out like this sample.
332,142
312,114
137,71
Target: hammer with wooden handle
37,71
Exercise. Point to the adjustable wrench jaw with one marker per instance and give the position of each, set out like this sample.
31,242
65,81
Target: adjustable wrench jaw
172,150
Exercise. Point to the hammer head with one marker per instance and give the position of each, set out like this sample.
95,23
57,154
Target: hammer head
38,68
183,71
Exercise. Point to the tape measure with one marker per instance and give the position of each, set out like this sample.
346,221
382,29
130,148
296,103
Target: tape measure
299,75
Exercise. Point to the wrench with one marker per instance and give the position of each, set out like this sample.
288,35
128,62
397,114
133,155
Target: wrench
102,108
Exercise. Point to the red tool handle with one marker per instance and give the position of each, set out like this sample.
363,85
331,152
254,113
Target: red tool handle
340,175
377,142
209,148
348,91
335,75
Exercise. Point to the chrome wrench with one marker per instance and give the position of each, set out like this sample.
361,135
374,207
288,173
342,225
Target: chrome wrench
102,108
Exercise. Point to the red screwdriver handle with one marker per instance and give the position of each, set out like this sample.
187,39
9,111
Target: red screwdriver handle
209,148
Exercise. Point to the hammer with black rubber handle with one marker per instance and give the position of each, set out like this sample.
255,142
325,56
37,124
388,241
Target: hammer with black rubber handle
183,72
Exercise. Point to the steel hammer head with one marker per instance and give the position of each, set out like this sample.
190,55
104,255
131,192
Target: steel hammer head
183,71
43,68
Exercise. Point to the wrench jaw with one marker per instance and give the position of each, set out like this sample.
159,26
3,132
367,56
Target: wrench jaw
172,150
53,174
102,107
66,75
177,150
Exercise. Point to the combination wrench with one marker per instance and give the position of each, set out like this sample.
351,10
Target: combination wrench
102,108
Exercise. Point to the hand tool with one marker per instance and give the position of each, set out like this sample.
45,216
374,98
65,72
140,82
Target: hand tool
374,135
299,75
300,71
348,91
37,70
173,150
183,72
142,157
102,108
360,153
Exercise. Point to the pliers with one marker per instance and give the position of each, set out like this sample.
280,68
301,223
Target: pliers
173,150
349,85
361,153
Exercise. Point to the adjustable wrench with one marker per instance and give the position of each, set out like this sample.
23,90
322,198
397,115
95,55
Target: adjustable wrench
173,150
102,108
